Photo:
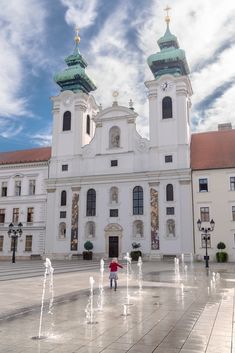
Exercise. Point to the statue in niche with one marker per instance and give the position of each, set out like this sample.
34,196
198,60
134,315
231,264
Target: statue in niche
139,229
115,137
114,195
62,230
170,228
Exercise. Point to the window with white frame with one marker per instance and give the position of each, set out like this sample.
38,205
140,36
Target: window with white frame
28,242
2,215
232,183
204,214
17,188
1,242
233,213
4,189
203,184
32,187
30,212
15,215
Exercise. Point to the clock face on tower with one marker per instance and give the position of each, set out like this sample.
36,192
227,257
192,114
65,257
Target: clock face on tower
166,85
67,101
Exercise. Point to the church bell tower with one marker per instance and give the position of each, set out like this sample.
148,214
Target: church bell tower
169,103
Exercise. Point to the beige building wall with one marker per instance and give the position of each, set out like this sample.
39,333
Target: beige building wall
220,198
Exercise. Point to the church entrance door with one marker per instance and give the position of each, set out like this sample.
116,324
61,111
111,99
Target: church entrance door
113,246
113,240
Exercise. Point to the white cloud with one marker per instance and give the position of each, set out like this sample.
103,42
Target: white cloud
22,29
80,13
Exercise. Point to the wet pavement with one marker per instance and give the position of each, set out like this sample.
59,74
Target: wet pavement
186,311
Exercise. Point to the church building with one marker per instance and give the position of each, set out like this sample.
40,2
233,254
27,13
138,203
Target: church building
100,180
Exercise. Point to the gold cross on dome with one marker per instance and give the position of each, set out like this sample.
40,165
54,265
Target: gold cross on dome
77,38
167,9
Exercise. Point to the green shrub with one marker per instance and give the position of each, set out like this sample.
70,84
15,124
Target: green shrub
221,256
88,245
135,255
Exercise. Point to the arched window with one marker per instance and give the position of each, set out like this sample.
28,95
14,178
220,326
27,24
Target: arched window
90,229
166,108
138,200
114,137
63,199
67,121
88,124
113,194
91,202
138,229
169,192
62,230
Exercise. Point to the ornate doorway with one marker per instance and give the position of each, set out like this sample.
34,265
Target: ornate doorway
113,236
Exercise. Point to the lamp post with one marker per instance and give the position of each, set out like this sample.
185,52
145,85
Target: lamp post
14,233
206,236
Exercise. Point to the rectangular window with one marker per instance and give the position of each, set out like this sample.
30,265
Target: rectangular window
203,241
12,244
30,212
1,242
203,185
2,215
28,242
32,187
168,159
17,188
113,213
204,213
233,213
4,189
170,210
65,167
15,215
232,183
114,163
62,214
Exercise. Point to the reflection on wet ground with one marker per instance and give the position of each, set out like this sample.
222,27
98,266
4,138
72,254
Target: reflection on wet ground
188,312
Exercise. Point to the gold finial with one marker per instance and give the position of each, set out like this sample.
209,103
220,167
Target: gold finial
167,18
115,94
77,38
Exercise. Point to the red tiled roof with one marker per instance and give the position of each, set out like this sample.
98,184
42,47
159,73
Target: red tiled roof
26,156
213,150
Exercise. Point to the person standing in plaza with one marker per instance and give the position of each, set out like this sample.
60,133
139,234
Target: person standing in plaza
113,266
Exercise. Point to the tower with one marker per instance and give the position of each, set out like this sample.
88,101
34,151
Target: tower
73,108
169,104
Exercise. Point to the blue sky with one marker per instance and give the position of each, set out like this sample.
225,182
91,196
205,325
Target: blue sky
116,39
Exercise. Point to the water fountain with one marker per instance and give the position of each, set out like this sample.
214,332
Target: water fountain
140,274
49,270
100,301
90,313
128,263
177,269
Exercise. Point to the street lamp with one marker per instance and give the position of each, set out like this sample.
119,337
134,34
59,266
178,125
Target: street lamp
14,233
206,236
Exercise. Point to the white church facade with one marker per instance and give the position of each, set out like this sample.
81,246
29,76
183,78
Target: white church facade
100,180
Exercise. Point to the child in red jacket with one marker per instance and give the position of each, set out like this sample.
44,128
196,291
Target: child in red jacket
113,272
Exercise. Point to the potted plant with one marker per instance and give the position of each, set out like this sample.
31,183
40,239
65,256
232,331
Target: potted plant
221,256
87,255
135,253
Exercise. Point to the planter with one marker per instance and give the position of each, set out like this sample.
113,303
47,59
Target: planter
135,255
221,256
87,255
